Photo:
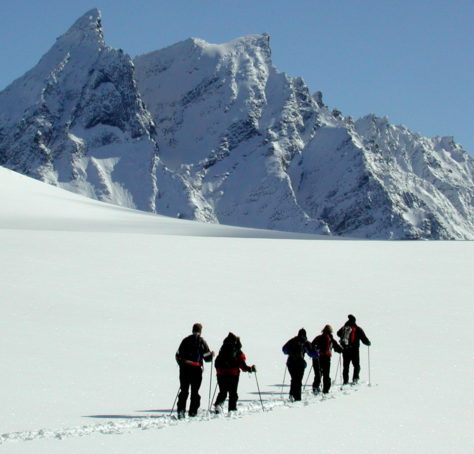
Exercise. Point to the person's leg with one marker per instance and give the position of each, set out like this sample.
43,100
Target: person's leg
325,370
297,381
346,361
196,379
293,388
223,383
184,382
233,396
317,376
356,364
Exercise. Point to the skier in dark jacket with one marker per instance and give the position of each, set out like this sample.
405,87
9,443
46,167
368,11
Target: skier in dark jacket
323,344
191,353
229,362
351,335
296,348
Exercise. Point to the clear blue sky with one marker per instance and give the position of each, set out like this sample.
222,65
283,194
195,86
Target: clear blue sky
411,60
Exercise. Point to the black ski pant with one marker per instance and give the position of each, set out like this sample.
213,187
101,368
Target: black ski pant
350,355
228,385
322,369
296,373
189,377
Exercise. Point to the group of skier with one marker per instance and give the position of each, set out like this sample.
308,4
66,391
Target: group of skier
320,350
194,350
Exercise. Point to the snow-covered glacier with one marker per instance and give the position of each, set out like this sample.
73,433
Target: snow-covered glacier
216,133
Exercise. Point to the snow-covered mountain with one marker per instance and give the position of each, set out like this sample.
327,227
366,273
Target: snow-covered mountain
76,120
216,133
230,124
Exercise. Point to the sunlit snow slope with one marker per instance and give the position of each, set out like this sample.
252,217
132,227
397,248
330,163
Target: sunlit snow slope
95,300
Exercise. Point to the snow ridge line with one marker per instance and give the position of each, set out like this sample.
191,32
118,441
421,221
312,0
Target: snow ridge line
133,422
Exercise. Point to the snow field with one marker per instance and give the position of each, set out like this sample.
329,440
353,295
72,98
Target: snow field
95,300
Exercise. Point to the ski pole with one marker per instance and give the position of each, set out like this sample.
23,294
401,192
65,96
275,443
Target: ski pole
210,384
215,390
284,376
175,399
307,378
368,357
337,370
340,371
213,395
258,388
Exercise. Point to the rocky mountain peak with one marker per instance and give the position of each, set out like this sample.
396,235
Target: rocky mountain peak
88,28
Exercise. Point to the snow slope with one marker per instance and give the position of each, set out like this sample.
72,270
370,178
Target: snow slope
96,298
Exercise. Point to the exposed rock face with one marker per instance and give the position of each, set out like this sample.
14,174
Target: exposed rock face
76,120
372,179
216,133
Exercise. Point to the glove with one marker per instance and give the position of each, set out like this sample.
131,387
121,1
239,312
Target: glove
369,344
253,369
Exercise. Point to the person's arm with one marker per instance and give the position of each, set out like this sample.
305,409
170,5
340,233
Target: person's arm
243,365
310,350
178,353
336,346
207,355
363,337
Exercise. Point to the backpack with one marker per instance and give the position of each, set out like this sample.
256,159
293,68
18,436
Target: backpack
321,346
346,335
190,349
229,353
295,349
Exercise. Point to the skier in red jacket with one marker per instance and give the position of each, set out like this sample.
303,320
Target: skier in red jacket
229,362
324,344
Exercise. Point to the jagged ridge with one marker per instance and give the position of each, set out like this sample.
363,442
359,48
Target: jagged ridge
222,136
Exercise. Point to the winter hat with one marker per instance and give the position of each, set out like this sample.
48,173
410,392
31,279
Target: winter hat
197,328
302,333
351,318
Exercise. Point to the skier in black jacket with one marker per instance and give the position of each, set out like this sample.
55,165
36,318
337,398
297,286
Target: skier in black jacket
324,344
296,348
191,353
351,335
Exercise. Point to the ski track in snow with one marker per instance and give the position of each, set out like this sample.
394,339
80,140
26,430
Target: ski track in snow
135,422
